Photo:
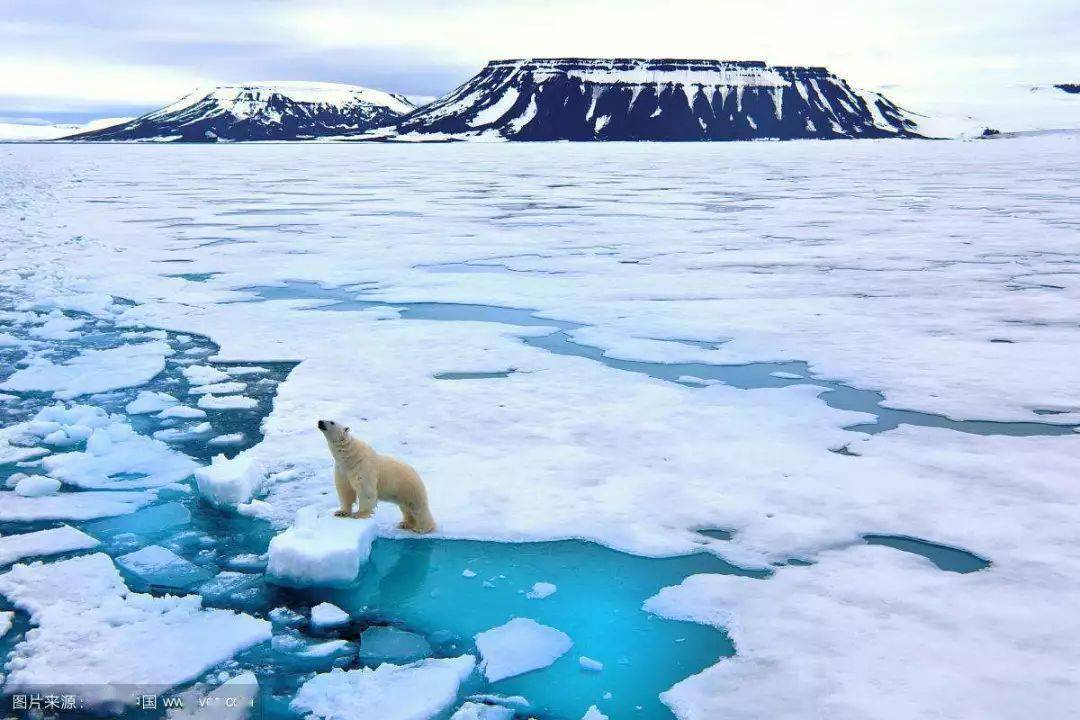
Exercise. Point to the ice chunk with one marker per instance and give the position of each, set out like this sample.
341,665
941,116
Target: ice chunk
285,616
7,619
184,412
224,388
71,506
229,481
541,590
183,433
593,713
325,616
117,457
787,375
520,646
234,589
157,565
234,699
37,486
227,402
300,647
203,375
480,711
390,692
43,542
149,401
95,636
230,439
248,562
587,663
92,371
247,370
320,550
468,573
380,644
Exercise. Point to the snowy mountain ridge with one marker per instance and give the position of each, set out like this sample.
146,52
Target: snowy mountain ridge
657,99
281,110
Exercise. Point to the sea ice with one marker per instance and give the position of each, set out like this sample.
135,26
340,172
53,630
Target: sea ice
234,699
593,713
95,636
519,646
326,616
43,542
149,401
389,692
227,402
7,618
184,412
541,590
204,375
71,506
320,550
157,565
229,439
92,371
223,388
178,434
480,711
37,486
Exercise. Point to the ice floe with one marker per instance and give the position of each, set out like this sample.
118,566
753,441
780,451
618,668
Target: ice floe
43,542
92,371
519,646
326,616
320,550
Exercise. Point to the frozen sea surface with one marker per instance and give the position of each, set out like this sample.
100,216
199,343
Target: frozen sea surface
844,367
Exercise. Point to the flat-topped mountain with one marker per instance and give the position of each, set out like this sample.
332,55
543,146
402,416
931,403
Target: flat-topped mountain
262,111
657,99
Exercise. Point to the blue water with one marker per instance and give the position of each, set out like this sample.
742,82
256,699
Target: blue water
746,376
944,557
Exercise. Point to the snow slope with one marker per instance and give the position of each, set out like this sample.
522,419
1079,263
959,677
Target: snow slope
31,132
262,111
637,99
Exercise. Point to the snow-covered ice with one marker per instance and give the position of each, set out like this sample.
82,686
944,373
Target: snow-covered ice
71,506
541,590
43,542
226,402
481,711
320,550
36,486
149,401
837,260
95,635
92,371
519,646
587,663
389,692
326,616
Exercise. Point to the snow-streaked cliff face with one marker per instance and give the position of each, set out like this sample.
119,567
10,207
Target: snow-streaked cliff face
635,99
263,111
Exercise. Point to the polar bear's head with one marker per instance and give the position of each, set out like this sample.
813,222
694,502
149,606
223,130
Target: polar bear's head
334,432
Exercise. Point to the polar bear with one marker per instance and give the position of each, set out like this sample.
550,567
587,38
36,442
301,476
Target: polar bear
363,476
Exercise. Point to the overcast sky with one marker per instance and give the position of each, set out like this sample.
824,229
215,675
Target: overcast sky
77,59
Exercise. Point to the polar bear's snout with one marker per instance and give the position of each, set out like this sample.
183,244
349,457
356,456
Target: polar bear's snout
332,430
321,425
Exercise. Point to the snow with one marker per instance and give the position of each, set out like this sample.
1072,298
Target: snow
839,255
41,131
242,98
95,635
43,542
184,412
593,713
36,486
519,646
389,692
496,110
71,506
326,615
541,590
6,621
92,371
321,550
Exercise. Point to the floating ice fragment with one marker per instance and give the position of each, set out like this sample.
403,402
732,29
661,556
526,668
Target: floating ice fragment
183,433
480,711
149,401
229,439
787,375
156,565
468,573
593,713
203,374
223,388
541,590
389,692
37,486
232,700
285,616
326,616
247,370
320,550
520,646
227,402
587,663
6,621
43,542
92,371
71,506
184,412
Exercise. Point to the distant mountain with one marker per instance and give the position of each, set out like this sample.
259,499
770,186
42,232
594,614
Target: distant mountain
1073,88
262,111
638,99
27,132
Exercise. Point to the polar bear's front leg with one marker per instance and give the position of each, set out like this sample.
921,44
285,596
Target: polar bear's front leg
346,494
366,497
